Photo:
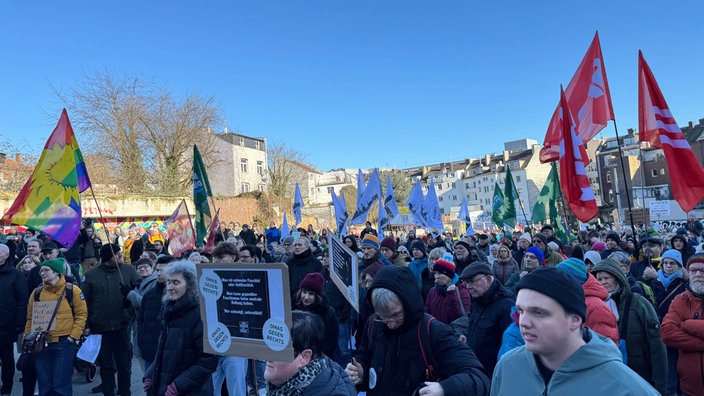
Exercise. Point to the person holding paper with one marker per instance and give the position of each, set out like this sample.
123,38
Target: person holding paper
55,363
180,367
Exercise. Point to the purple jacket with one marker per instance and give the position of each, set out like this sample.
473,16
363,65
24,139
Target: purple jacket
444,305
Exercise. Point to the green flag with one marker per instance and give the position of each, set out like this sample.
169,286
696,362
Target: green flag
497,207
510,197
546,207
201,192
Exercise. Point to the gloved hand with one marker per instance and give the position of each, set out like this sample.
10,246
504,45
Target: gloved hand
146,384
171,390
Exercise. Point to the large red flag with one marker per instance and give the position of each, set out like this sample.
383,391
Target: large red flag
658,127
212,229
574,182
589,99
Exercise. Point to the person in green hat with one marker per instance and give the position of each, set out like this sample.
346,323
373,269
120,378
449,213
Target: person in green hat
55,364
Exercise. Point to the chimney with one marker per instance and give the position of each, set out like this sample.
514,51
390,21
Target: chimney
631,131
506,155
18,158
487,160
691,124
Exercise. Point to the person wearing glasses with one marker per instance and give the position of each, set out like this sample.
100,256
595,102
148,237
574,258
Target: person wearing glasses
683,327
551,257
404,351
639,326
489,315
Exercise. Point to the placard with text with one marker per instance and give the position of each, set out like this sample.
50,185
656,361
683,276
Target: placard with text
344,270
246,310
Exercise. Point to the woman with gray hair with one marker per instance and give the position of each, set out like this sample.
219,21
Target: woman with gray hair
180,366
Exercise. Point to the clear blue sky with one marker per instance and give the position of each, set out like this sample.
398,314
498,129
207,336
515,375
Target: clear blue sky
355,83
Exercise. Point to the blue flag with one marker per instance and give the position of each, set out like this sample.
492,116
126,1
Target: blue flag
297,205
361,186
383,218
390,204
341,215
372,193
464,216
430,210
285,233
415,202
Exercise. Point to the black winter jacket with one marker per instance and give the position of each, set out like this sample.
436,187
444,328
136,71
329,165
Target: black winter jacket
301,265
332,329
106,304
180,358
489,316
13,302
148,324
395,355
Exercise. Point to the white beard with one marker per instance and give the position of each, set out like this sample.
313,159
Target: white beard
697,287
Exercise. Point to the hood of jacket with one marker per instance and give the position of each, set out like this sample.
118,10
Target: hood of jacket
611,266
592,288
402,282
597,351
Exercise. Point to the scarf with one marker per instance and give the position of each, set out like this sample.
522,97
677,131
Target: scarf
667,279
300,381
442,289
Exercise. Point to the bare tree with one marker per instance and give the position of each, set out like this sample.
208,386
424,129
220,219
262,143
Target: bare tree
16,165
144,133
283,172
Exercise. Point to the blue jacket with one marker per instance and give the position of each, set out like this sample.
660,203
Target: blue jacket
273,235
594,369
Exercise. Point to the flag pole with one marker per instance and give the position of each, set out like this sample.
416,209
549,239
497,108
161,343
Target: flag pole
625,178
107,234
564,213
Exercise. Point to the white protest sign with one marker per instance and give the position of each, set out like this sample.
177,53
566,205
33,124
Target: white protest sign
659,208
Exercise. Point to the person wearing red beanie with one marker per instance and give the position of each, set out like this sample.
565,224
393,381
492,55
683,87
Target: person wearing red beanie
447,302
309,297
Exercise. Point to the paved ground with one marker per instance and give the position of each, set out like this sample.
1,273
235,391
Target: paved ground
82,388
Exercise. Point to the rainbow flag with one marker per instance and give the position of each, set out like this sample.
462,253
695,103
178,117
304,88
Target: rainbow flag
50,201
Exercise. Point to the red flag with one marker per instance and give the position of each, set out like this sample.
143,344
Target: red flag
589,99
212,229
658,127
574,182
180,230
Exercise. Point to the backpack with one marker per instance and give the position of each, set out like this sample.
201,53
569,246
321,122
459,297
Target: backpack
648,292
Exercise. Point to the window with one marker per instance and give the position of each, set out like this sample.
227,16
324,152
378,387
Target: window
454,197
518,179
442,210
257,145
466,185
453,184
608,177
260,167
243,165
242,142
520,191
439,199
662,171
654,172
245,187
440,187
516,165
261,187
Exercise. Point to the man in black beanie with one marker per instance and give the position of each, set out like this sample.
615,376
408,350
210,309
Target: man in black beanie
552,311
105,288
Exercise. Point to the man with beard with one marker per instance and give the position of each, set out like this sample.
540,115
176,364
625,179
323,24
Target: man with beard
683,328
371,251
466,254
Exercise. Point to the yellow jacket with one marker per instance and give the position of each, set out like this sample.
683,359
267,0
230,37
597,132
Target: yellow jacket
69,322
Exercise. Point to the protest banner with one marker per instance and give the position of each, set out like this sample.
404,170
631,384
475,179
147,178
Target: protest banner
246,310
181,234
42,311
344,270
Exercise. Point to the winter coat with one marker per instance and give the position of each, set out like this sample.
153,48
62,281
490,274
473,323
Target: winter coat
489,317
474,255
70,321
335,299
300,265
135,295
594,369
248,236
503,271
332,329
106,304
551,257
512,337
683,328
664,296
444,305
607,252
394,356
646,351
180,358
417,266
13,302
148,324
332,381
273,235
599,315
427,282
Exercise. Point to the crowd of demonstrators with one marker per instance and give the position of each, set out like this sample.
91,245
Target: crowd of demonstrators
447,306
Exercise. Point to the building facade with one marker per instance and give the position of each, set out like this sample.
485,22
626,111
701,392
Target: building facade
242,166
